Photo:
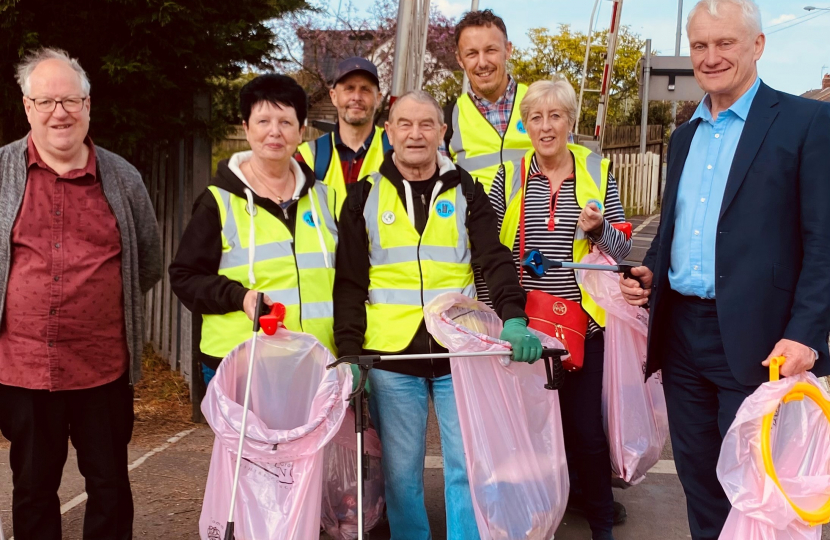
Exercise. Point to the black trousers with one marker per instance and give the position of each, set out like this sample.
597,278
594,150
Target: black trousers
585,441
39,424
702,398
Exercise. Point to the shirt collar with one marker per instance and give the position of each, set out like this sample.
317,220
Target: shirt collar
366,144
34,159
740,108
509,92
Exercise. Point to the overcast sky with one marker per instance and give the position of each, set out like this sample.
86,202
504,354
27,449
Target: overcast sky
798,42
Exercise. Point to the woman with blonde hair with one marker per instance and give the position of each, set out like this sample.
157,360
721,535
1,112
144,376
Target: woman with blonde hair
563,201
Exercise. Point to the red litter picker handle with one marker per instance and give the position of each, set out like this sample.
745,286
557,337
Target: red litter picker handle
272,318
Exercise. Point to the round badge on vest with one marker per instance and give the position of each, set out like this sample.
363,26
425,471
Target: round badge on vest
308,218
521,127
388,218
444,208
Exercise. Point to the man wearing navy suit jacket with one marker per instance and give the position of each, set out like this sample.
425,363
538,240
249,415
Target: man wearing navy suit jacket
739,271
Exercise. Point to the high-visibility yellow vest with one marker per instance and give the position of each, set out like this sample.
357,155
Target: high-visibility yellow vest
334,173
478,148
591,171
407,270
291,267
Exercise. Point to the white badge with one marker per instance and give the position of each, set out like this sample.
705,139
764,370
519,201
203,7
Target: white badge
388,218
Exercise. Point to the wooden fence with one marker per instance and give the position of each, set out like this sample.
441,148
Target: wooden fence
174,175
638,180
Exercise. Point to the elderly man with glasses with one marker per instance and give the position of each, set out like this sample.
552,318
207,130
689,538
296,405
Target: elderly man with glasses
79,247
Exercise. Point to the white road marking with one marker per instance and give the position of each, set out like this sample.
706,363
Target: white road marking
644,224
135,464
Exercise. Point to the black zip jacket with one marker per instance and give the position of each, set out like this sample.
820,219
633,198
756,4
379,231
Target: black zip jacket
351,282
193,272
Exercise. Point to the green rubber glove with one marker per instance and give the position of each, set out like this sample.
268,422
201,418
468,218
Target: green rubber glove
356,380
526,346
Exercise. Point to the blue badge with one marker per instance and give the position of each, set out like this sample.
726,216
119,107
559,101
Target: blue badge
521,127
444,208
308,218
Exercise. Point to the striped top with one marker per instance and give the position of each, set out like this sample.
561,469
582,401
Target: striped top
557,244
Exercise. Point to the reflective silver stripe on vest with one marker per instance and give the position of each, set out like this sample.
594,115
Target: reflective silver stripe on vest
321,191
286,297
317,310
404,254
412,297
516,185
312,145
307,261
594,165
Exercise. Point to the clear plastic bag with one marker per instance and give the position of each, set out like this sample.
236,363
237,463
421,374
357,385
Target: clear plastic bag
634,411
296,408
510,424
800,443
339,514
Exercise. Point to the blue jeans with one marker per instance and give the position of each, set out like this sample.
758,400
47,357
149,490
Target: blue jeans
399,405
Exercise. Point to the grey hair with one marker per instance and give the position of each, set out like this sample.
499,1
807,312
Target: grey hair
421,97
34,58
558,91
750,10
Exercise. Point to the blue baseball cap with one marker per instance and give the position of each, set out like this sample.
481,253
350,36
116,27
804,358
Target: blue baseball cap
354,64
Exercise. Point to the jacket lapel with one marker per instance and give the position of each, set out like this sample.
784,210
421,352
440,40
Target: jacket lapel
761,115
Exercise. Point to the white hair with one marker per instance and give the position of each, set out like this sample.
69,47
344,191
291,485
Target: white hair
421,97
34,58
558,91
749,9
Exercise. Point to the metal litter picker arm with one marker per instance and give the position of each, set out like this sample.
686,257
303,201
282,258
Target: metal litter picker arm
536,265
269,319
554,371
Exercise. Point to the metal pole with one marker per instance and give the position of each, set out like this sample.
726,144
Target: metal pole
465,82
677,53
401,47
607,74
585,67
420,62
644,117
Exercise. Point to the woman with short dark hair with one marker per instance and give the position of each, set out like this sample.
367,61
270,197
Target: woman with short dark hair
263,225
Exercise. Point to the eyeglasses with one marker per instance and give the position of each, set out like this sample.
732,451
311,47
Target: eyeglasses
47,105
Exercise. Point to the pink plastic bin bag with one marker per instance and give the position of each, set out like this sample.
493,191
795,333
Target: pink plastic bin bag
510,424
634,411
800,443
296,408
339,516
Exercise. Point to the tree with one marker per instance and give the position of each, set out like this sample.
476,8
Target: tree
563,53
146,59
314,42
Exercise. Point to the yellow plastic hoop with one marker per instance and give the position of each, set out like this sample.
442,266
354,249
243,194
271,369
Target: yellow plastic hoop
798,393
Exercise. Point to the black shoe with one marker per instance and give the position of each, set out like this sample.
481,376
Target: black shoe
576,506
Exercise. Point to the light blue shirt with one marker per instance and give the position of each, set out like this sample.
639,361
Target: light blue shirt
700,194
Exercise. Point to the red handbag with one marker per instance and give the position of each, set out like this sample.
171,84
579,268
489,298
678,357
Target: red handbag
562,319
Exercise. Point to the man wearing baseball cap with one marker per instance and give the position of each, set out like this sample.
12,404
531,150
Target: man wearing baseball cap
356,146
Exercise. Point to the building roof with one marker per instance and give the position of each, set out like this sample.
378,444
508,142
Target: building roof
820,95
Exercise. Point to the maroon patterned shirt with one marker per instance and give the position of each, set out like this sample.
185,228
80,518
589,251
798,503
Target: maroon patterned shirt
63,327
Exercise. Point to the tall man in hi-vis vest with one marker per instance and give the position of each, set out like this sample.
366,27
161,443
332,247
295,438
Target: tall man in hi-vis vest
356,146
407,234
485,128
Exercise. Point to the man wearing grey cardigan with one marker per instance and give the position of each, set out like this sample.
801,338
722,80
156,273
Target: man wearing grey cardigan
79,247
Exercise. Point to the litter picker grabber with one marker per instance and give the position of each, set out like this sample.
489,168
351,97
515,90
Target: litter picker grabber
269,320
536,265
554,371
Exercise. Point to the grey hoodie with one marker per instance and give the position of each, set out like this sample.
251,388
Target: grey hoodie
140,244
